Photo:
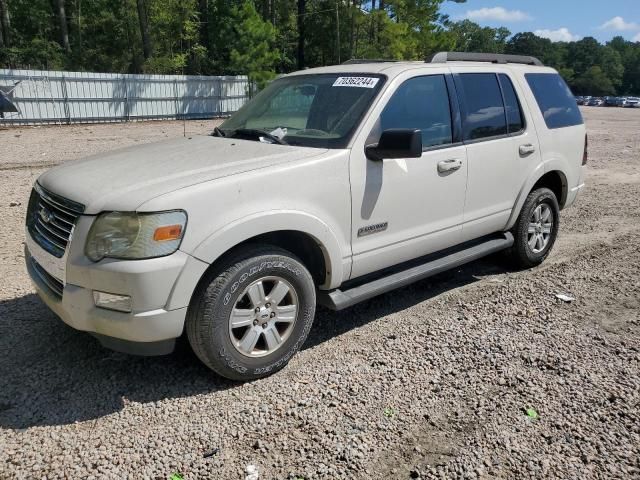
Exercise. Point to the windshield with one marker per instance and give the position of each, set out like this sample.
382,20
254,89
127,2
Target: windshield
308,110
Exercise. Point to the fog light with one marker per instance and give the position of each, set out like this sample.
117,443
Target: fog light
110,301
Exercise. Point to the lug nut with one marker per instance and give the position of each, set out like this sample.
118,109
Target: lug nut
257,310
273,314
268,305
264,325
255,322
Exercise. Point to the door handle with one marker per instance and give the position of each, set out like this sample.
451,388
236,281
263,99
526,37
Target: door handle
449,165
527,149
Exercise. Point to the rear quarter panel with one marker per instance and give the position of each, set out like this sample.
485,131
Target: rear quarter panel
561,149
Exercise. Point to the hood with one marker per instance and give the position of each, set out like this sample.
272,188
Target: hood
125,179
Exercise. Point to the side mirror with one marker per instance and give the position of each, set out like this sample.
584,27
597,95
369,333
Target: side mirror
396,143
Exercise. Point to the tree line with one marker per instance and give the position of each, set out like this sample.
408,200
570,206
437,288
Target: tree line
262,38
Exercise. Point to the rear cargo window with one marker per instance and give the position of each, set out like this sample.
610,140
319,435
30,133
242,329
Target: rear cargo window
555,100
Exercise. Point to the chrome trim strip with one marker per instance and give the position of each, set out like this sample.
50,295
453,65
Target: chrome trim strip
63,221
54,266
52,233
56,287
38,226
74,208
44,225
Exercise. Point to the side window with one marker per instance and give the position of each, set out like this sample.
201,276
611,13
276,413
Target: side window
515,121
421,102
555,100
484,116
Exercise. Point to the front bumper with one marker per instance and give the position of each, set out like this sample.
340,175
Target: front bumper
159,288
151,332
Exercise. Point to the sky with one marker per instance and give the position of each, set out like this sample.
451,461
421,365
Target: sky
558,20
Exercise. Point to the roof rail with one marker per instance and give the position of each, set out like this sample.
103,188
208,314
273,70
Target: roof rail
443,57
357,61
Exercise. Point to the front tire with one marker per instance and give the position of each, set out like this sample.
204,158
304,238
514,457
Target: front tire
536,229
250,315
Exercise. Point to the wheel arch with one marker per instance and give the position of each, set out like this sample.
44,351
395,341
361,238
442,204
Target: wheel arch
304,235
301,244
554,180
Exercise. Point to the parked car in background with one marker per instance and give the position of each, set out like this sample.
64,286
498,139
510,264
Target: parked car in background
580,100
610,101
632,102
615,101
595,102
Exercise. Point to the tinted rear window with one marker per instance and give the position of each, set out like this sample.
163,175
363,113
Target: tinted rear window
514,114
484,116
555,100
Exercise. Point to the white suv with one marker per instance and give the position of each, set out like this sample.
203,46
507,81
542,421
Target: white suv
332,186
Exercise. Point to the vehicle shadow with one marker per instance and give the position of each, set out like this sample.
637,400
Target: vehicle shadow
329,324
54,375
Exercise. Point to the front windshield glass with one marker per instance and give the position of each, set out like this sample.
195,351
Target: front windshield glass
308,110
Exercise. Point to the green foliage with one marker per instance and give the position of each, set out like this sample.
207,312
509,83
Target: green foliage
594,81
390,39
471,37
389,412
174,29
260,38
532,413
37,54
252,49
527,43
104,36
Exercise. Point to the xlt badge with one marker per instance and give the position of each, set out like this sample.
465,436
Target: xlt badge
370,229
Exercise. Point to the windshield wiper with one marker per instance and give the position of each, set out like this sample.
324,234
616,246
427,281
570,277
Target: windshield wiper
258,133
218,132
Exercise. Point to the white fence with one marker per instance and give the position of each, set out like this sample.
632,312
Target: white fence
83,97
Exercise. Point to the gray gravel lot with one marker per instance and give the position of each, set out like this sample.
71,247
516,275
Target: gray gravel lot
431,381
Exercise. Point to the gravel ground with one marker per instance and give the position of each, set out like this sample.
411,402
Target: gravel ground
432,381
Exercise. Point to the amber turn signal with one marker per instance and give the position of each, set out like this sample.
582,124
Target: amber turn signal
170,232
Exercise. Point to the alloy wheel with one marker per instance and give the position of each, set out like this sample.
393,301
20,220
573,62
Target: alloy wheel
540,228
263,316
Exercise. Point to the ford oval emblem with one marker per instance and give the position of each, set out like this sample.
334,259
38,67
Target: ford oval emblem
45,215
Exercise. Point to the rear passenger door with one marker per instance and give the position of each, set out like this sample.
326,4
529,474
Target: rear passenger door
501,149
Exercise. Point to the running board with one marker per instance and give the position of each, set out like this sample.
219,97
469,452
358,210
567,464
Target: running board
339,299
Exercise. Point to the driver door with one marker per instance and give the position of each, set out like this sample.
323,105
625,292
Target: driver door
406,208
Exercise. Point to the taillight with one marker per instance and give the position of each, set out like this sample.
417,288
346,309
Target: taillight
586,150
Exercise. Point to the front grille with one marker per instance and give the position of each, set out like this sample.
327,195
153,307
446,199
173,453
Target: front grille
50,220
55,285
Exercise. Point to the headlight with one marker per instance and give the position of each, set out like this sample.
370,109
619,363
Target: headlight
129,235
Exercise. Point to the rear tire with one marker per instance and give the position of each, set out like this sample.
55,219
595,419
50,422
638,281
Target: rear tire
252,313
536,229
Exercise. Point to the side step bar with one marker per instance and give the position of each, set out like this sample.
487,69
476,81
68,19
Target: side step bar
339,299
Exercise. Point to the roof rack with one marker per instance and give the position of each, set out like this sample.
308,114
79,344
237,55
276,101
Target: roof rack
443,57
357,61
